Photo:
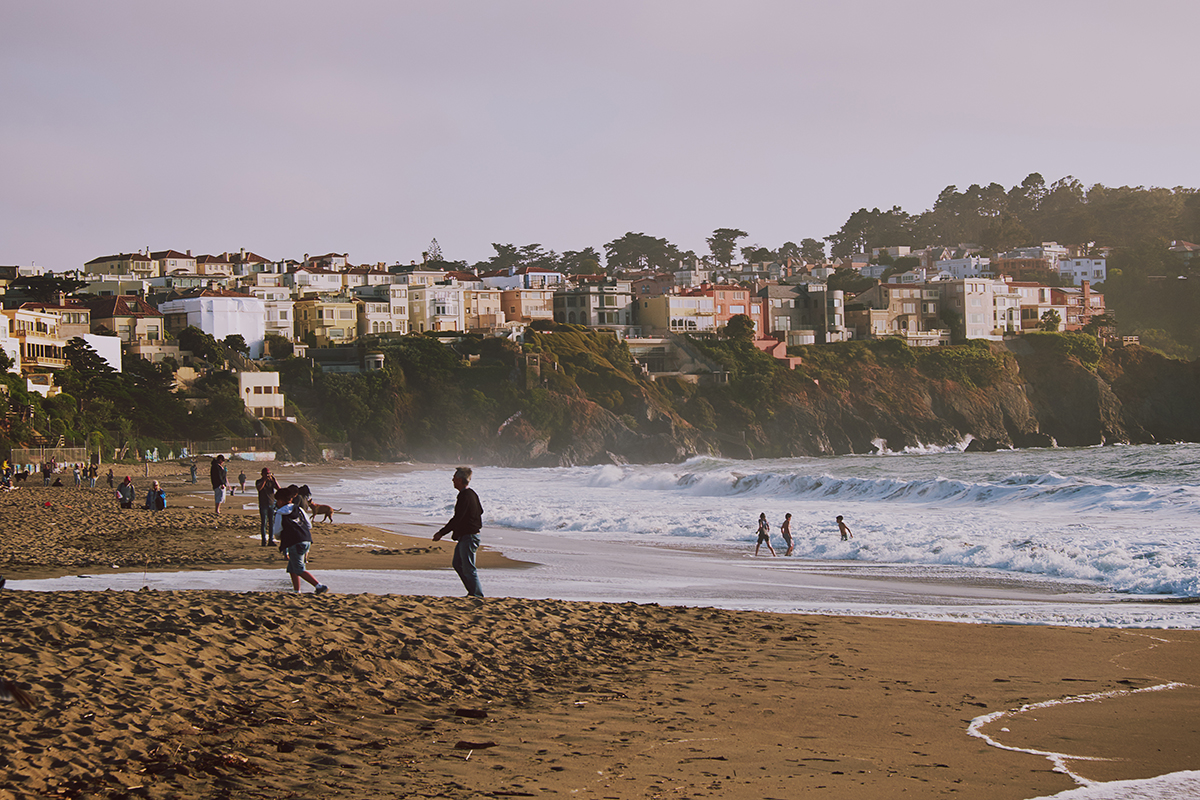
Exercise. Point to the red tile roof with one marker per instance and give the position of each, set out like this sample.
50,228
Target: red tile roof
123,305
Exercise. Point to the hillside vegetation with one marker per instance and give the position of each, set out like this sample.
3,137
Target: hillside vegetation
572,396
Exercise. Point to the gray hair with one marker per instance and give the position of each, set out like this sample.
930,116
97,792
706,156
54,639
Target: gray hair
464,473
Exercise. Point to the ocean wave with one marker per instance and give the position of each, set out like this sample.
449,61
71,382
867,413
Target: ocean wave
1079,494
1026,513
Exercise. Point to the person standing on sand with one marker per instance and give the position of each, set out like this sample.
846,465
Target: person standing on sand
785,530
764,534
125,492
110,478
845,531
242,481
464,528
92,472
295,538
267,486
156,498
220,480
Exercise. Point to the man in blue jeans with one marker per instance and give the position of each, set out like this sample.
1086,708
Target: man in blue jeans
464,528
267,486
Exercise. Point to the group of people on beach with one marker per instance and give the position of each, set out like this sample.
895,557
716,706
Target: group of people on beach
785,530
10,476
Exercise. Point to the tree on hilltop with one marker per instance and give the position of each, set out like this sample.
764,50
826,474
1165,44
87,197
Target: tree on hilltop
722,243
635,251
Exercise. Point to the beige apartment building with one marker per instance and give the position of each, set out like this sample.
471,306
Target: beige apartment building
326,320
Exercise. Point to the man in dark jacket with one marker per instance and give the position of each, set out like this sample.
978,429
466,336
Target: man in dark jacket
464,528
220,479
267,486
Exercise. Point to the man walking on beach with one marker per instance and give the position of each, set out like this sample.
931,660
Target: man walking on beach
464,528
220,479
267,486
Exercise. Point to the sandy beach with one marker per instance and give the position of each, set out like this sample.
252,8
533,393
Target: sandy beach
267,694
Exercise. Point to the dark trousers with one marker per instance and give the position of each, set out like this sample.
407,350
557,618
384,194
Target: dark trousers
464,564
266,515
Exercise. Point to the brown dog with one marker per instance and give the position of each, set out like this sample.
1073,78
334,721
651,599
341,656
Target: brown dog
328,511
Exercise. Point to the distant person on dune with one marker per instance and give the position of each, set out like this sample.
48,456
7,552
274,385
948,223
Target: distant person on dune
845,531
464,528
764,534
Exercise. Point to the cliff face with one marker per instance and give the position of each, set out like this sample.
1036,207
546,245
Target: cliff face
1042,399
575,397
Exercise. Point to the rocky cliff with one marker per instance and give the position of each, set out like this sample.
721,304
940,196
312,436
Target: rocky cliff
1039,399
576,397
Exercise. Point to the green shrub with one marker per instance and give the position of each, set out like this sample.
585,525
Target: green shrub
968,364
1083,347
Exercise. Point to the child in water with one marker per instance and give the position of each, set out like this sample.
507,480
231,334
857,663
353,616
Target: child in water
845,531
764,534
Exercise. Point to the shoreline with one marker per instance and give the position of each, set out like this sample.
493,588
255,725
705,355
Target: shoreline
385,552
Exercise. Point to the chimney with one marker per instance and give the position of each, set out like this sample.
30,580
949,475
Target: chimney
189,252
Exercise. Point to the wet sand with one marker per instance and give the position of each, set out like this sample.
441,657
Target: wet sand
268,694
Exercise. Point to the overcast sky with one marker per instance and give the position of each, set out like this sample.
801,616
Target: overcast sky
370,128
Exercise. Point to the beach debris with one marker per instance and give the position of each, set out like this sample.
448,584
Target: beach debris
11,693
465,745
473,713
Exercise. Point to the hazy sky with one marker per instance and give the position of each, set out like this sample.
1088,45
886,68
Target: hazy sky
372,127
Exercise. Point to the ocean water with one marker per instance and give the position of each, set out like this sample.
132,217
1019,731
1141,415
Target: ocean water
1124,520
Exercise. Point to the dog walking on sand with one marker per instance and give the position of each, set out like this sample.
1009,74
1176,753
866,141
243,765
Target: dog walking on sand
320,509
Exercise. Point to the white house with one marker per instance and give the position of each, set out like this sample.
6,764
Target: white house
967,267
437,308
219,313
315,279
277,301
1094,270
523,278
988,308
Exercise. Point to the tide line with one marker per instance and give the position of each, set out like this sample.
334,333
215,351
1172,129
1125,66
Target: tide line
1059,760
